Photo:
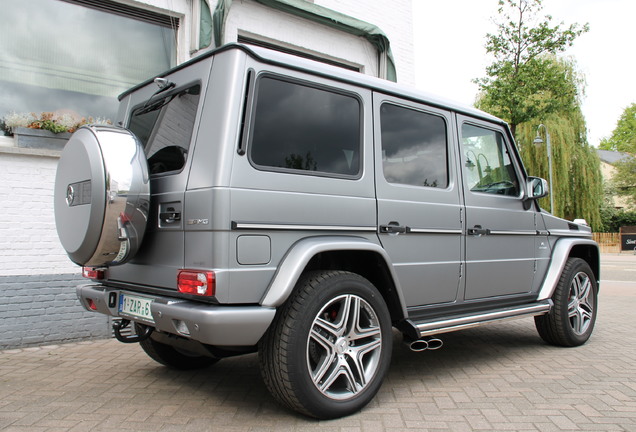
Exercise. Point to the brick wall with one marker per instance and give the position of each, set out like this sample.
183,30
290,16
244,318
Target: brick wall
43,309
38,304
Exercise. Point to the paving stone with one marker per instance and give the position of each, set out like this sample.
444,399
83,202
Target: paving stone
500,377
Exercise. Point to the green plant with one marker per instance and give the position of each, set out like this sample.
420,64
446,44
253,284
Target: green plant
56,122
4,128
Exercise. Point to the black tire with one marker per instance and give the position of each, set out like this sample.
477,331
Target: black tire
571,321
174,358
311,345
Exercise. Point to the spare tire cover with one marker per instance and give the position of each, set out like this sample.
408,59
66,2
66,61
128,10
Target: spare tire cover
101,196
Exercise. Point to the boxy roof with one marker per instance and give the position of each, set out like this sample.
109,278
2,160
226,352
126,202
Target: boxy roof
332,72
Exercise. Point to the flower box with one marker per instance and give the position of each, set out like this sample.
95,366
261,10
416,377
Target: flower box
40,138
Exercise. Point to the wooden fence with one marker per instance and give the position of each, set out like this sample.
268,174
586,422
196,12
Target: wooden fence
608,242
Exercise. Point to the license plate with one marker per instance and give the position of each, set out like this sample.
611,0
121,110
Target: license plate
135,306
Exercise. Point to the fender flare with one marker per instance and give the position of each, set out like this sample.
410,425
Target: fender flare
299,255
560,254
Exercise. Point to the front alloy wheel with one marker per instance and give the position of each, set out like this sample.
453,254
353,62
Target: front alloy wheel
571,320
581,303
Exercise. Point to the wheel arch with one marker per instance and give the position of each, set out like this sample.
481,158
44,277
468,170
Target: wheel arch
565,248
354,254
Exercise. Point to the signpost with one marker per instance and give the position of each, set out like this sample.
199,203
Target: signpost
628,238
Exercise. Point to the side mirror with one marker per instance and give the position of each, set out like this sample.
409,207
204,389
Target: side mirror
535,188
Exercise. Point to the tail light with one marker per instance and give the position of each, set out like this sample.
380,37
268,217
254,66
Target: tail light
202,283
93,273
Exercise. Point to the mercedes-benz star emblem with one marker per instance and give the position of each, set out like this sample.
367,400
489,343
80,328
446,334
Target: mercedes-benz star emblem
70,195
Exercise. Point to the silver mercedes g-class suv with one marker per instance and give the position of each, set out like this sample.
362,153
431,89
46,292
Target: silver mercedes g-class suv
251,201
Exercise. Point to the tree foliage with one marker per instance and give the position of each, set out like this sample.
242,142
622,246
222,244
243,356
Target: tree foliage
624,179
576,174
528,85
523,82
623,137
614,219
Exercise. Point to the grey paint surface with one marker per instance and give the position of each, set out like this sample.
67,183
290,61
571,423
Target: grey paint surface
257,228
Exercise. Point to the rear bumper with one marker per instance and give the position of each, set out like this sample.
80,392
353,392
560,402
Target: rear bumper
208,324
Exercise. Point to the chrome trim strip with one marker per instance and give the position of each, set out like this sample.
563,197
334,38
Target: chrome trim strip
517,233
298,227
444,326
568,233
434,231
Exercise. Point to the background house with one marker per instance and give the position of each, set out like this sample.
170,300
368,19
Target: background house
78,55
608,159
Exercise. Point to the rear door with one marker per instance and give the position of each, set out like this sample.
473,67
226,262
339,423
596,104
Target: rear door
419,211
164,122
500,232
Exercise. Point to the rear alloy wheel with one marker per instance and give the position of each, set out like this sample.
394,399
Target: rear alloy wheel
329,347
571,321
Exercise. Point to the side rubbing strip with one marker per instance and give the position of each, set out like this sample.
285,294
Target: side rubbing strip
295,227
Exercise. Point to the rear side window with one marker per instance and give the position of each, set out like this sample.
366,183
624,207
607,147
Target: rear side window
164,125
413,147
302,128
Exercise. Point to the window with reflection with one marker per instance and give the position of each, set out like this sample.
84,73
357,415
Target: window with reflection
487,164
414,147
164,125
302,128
76,56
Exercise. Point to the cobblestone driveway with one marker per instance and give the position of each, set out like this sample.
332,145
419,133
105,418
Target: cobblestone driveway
499,377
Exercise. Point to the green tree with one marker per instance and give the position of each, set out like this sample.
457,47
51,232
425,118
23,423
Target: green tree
623,137
576,174
624,179
523,82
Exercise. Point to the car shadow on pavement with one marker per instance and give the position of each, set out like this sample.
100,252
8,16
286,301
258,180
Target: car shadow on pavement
234,387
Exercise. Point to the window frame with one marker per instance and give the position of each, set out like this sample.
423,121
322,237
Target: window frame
248,143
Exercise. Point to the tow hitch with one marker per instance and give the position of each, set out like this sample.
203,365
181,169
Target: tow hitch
146,331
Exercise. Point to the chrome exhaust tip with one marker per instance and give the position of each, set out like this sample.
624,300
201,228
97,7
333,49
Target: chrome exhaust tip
423,344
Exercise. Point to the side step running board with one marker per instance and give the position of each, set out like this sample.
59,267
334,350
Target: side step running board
426,328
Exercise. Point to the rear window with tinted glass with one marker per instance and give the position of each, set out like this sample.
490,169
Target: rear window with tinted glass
303,128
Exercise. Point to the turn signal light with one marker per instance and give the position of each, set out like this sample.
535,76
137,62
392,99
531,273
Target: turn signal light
202,283
93,273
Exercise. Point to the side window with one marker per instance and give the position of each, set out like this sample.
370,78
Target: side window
164,126
487,163
414,147
302,128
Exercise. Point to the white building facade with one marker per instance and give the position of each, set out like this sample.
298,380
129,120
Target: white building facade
76,56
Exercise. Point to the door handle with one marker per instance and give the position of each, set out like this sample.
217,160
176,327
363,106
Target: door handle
393,228
478,231
170,217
